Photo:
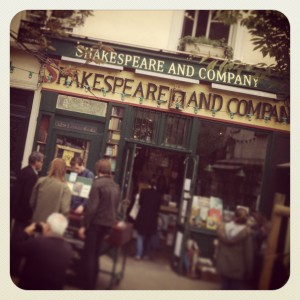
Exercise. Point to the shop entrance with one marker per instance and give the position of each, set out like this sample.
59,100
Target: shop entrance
167,168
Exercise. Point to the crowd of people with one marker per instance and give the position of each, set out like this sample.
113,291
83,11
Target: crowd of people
40,209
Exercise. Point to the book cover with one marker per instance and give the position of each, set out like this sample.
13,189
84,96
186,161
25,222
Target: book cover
195,210
215,213
199,212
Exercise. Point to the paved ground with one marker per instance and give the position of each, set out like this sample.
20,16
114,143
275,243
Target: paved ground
153,274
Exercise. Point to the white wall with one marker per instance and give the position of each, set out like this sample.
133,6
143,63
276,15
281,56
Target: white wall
159,29
143,28
156,29
244,48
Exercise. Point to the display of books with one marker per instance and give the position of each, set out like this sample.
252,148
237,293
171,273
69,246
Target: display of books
115,124
215,213
206,212
118,111
114,135
111,150
79,186
200,207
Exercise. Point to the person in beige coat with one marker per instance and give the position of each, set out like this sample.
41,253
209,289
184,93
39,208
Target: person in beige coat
235,252
51,193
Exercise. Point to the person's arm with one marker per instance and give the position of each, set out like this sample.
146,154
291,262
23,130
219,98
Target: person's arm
92,205
91,209
65,201
90,175
33,197
24,243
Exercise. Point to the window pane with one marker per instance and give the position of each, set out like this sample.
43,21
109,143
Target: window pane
219,31
176,131
68,147
231,162
202,23
189,17
145,125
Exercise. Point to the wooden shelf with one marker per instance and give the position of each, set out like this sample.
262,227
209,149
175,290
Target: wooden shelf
203,230
113,142
114,135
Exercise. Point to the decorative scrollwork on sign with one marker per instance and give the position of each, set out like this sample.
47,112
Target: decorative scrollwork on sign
177,99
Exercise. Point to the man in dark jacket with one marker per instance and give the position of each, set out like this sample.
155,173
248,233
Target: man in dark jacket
99,217
47,256
21,211
26,179
147,218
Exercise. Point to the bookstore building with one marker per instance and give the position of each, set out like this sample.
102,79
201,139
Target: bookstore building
212,140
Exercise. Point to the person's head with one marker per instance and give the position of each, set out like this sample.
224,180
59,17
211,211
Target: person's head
240,216
57,169
152,182
77,164
103,167
36,160
57,223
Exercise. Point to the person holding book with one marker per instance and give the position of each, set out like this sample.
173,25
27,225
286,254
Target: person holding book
78,203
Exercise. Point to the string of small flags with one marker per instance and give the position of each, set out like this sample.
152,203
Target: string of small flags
177,105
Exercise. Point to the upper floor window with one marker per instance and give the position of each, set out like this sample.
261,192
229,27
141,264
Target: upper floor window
202,23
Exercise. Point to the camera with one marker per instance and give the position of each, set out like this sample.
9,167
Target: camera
38,228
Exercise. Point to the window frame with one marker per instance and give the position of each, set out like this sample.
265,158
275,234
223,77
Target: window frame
160,125
210,21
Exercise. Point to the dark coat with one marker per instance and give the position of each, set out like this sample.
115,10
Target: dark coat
21,209
103,202
47,259
146,220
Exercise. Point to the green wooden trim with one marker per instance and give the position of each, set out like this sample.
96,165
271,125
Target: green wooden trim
174,61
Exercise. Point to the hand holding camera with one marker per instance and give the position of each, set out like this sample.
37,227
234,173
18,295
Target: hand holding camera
36,228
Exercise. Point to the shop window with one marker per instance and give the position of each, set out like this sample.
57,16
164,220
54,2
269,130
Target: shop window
145,126
176,131
231,165
68,147
202,23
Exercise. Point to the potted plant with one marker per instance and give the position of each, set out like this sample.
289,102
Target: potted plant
205,46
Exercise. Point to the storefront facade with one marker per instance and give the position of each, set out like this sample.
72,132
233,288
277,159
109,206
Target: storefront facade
208,134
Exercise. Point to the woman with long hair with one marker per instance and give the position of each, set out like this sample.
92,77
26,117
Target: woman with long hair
51,193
